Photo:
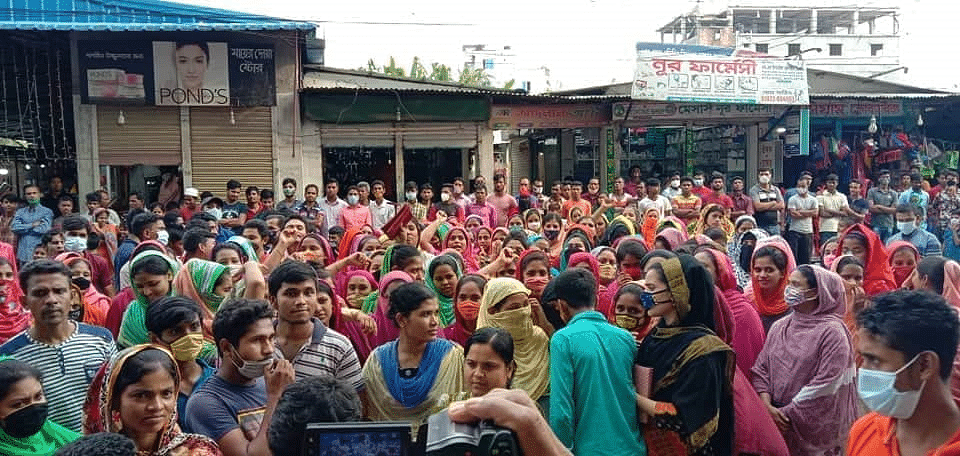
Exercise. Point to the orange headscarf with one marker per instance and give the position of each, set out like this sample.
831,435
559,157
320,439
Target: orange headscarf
649,226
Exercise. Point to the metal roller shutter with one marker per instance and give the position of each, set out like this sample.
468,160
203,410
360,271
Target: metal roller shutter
149,135
373,135
520,165
221,151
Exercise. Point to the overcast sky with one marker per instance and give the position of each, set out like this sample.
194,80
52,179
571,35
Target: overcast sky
582,42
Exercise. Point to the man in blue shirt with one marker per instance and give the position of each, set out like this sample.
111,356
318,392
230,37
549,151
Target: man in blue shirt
592,397
908,222
917,197
30,223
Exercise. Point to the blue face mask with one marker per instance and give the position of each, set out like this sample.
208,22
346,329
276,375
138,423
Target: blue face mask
647,300
878,392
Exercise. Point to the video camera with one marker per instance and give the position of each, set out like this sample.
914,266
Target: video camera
440,436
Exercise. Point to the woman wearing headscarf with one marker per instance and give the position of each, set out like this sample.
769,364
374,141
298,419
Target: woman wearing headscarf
386,330
649,224
199,280
95,305
108,233
740,251
744,223
126,295
458,239
860,241
712,216
806,371
691,401
442,275
747,340
151,273
577,239
672,221
466,305
407,378
109,409
531,344
13,316
903,257
669,239
483,244
354,287
770,267
619,227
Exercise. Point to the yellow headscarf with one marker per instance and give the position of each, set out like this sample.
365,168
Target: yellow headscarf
530,343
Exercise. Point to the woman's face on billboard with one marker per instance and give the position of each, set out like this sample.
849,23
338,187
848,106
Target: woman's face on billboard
191,63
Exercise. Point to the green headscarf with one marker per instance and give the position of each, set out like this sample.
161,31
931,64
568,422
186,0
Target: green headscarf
133,330
203,276
447,315
45,442
246,246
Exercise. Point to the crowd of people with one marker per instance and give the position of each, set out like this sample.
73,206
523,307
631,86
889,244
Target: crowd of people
662,318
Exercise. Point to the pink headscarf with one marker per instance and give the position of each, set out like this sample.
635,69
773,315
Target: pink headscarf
673,237
951,283
344,280
749,337
581,257
807,365
363,343
468,253
386,329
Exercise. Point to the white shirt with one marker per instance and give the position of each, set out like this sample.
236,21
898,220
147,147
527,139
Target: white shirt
661,203
331,211
803,225
381,214
833,202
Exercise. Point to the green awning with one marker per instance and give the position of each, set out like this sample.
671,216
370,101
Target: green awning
370,108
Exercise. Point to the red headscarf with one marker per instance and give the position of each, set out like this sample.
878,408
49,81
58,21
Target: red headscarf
877,274
748,339
324,244
901,274
468,253
581,257
649,226
345,248
13,316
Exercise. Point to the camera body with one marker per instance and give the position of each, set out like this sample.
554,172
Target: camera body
446,438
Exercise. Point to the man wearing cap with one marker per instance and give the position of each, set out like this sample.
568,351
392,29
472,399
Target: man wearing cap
190,198
591,374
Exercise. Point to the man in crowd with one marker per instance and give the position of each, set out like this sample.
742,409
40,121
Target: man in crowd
30,223
422,205
672,187
254,204
767,202
289,201
916,196
576,189
718,196
54,191
52,242
446,205
364,188
525,197
313,348
459,197
593,194
686,205
142,228
268,199
135,201
857,202
505,204
310,208
946,201
258,233
742,204
75,232
66,352
883,205
331,203
321,399
354,214
699,187
654,199
233,212
105,202
64,209
381,210
235,406
803,207
584,404
833,206
908,341
198,243
191,197
909,224
619,197
481,207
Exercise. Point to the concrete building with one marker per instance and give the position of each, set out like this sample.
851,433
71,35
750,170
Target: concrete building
861,41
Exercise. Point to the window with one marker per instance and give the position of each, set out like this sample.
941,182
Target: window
763,47
793,49
875,49
836,49
487,64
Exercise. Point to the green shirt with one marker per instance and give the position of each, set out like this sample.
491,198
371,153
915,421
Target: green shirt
593,407
47,441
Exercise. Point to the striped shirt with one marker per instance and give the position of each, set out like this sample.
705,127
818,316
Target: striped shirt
327,353
68,368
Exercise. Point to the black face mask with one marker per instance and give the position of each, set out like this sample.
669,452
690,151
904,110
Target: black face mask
746,253
82,282
25,422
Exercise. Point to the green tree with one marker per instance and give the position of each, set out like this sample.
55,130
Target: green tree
439,72
417,70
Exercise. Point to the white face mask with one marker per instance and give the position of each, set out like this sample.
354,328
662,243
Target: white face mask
163,237
764,180
444,197
411,195
215,212
878,392
698,182
801,190
906,227
675,183
353,199
534,226
538,190
74,244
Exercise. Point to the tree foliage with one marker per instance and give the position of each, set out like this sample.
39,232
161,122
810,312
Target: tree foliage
439,72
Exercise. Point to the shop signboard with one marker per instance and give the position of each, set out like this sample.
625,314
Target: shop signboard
186,72
610,152
845,108
660,111
769,155
509,117
717,79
